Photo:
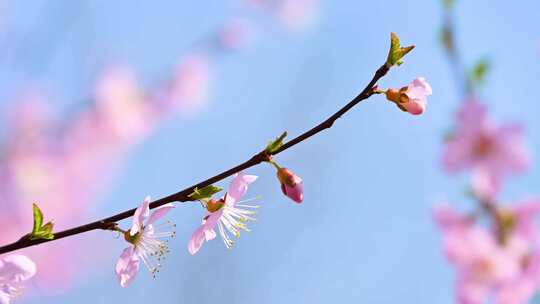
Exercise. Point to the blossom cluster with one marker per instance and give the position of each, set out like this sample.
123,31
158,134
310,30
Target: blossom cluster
57,160
123,113
495,249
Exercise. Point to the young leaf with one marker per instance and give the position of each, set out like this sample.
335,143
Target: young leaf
40,231
396,52
448,4
478,73
38,218
205,192
274,145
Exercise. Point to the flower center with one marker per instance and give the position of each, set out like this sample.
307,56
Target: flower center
133,239
483,268
484,146
214,205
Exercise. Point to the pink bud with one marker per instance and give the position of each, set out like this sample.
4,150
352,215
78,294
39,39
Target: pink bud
291,184
412,98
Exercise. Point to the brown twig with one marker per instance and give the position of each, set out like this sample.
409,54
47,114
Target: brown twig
183,195
451,47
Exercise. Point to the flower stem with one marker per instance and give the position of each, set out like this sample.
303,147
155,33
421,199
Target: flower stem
183,196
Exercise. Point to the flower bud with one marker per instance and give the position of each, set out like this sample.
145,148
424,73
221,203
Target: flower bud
291,184
412,98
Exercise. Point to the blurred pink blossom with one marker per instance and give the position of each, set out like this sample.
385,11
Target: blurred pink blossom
235,34
298,14
509,271
14,270
492,152
65,165
189,85
293,14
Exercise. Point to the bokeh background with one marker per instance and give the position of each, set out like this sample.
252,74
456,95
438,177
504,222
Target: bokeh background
364,232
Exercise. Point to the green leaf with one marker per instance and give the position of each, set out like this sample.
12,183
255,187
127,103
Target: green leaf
38,218
48,227
448,4
205,192
396,52
478,73
274,145
40,231
42,235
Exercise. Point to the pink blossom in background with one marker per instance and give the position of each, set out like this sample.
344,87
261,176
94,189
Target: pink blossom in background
509,271
65,165
236,34
482,146
229,217
298,14
526,214
121,103
447,218
14,270
189,86
294,14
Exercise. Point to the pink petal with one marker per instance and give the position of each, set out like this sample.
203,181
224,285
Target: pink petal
17,268
448,218
416,106
4,298
205,232
212,219
210,234
197,240
517,292
511,140
127,266
295,193
141,214
239,186
484,185
470,292
528,208
159,213
471,117
420,87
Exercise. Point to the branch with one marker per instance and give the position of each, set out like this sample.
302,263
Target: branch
452,52
183,196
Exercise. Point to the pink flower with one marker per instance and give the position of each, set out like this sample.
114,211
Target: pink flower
225,214
298,14
525,213
291,184
508,271
14,269
293,14
481,262
448,219
235,34
190,84
121,103
412,98
524,287
146,245
492,151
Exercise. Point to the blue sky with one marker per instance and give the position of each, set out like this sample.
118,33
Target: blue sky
364,233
